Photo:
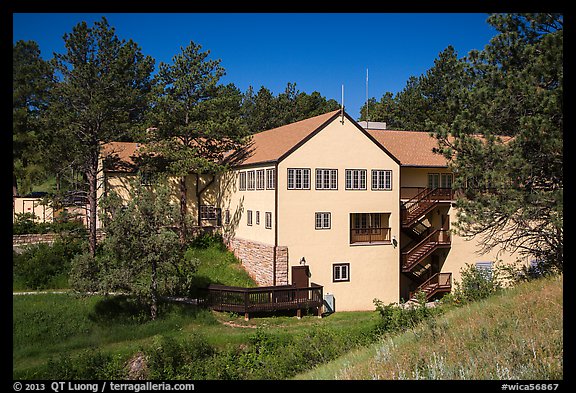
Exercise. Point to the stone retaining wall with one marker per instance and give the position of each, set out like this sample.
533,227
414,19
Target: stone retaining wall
258,259
34,238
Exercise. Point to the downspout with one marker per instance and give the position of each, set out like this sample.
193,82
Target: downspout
275,221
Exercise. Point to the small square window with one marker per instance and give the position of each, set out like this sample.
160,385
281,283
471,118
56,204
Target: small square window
323,220
341,272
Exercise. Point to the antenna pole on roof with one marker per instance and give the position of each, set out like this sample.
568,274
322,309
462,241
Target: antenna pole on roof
342,107
367,115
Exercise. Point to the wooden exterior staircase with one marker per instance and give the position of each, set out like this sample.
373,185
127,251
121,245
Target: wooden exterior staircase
425,240
438,283
419,205
439,238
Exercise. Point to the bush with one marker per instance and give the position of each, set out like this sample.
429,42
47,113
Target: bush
207,240
402,317
25,224
476,284
43,266
170,359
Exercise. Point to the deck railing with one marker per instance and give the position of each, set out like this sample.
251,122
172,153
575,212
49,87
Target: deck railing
261,299
369,235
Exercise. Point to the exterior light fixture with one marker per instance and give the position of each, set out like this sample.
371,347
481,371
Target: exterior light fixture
302,261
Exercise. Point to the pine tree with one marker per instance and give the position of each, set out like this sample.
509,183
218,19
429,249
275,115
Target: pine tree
512,186
100,96
195,121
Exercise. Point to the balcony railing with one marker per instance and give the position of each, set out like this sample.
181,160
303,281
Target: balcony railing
370,235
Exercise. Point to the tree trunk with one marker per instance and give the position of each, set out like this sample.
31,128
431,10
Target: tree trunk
92,178
154,292
183,210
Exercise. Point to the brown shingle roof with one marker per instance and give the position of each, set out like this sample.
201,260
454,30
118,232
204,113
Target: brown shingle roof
411,148
274,144
119,156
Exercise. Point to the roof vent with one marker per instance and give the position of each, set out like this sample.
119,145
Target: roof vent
373,125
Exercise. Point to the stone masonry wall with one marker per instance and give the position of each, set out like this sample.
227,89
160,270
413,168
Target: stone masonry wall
258,259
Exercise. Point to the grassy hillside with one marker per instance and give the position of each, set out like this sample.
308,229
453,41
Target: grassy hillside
517,334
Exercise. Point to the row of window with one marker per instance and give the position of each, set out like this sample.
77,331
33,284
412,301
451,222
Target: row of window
326,179
259,179
267,218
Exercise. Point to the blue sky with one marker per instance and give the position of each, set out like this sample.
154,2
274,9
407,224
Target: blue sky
317,51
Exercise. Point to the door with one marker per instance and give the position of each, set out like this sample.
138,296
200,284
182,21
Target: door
300,276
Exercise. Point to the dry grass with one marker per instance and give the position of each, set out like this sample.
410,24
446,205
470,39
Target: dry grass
516,335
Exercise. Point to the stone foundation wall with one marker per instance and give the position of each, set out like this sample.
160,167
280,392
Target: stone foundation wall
258,259
34,238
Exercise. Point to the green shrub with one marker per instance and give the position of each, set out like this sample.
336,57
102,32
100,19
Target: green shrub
43,266
25,224
88,365
171,359
405,316
207,240
476,284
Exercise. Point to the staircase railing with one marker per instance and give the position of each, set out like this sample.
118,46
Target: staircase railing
438,282
427,195
436,238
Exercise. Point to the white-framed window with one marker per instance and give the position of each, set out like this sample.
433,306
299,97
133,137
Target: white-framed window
323,220
227,217
381,179
242,177
260,179
298,178
440,180
257,217
355,179
485,269
340,272
268,220
446,180
211,213
326,179
270,179
249,217
251,181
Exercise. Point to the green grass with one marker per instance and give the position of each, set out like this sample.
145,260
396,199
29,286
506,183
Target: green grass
517,334
219,266
50,327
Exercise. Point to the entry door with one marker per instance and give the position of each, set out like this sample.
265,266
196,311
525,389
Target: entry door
300,276
300,280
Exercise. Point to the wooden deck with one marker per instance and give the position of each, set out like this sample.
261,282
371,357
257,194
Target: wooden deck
263,299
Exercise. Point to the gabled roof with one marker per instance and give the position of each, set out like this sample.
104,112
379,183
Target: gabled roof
274,144
411,148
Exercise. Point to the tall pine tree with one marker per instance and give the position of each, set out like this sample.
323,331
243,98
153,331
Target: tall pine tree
100,96
195,122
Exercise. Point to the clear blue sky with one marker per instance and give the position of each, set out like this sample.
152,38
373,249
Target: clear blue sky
317,51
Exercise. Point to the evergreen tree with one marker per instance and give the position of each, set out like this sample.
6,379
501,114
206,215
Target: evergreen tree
513,187
101,95
32,79
140,255
195,121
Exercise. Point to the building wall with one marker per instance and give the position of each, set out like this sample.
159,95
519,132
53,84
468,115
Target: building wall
43,213
253,244
374,269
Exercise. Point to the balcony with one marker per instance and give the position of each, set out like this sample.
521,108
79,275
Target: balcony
370,236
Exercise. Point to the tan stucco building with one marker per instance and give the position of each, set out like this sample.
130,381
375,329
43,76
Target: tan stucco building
366,213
